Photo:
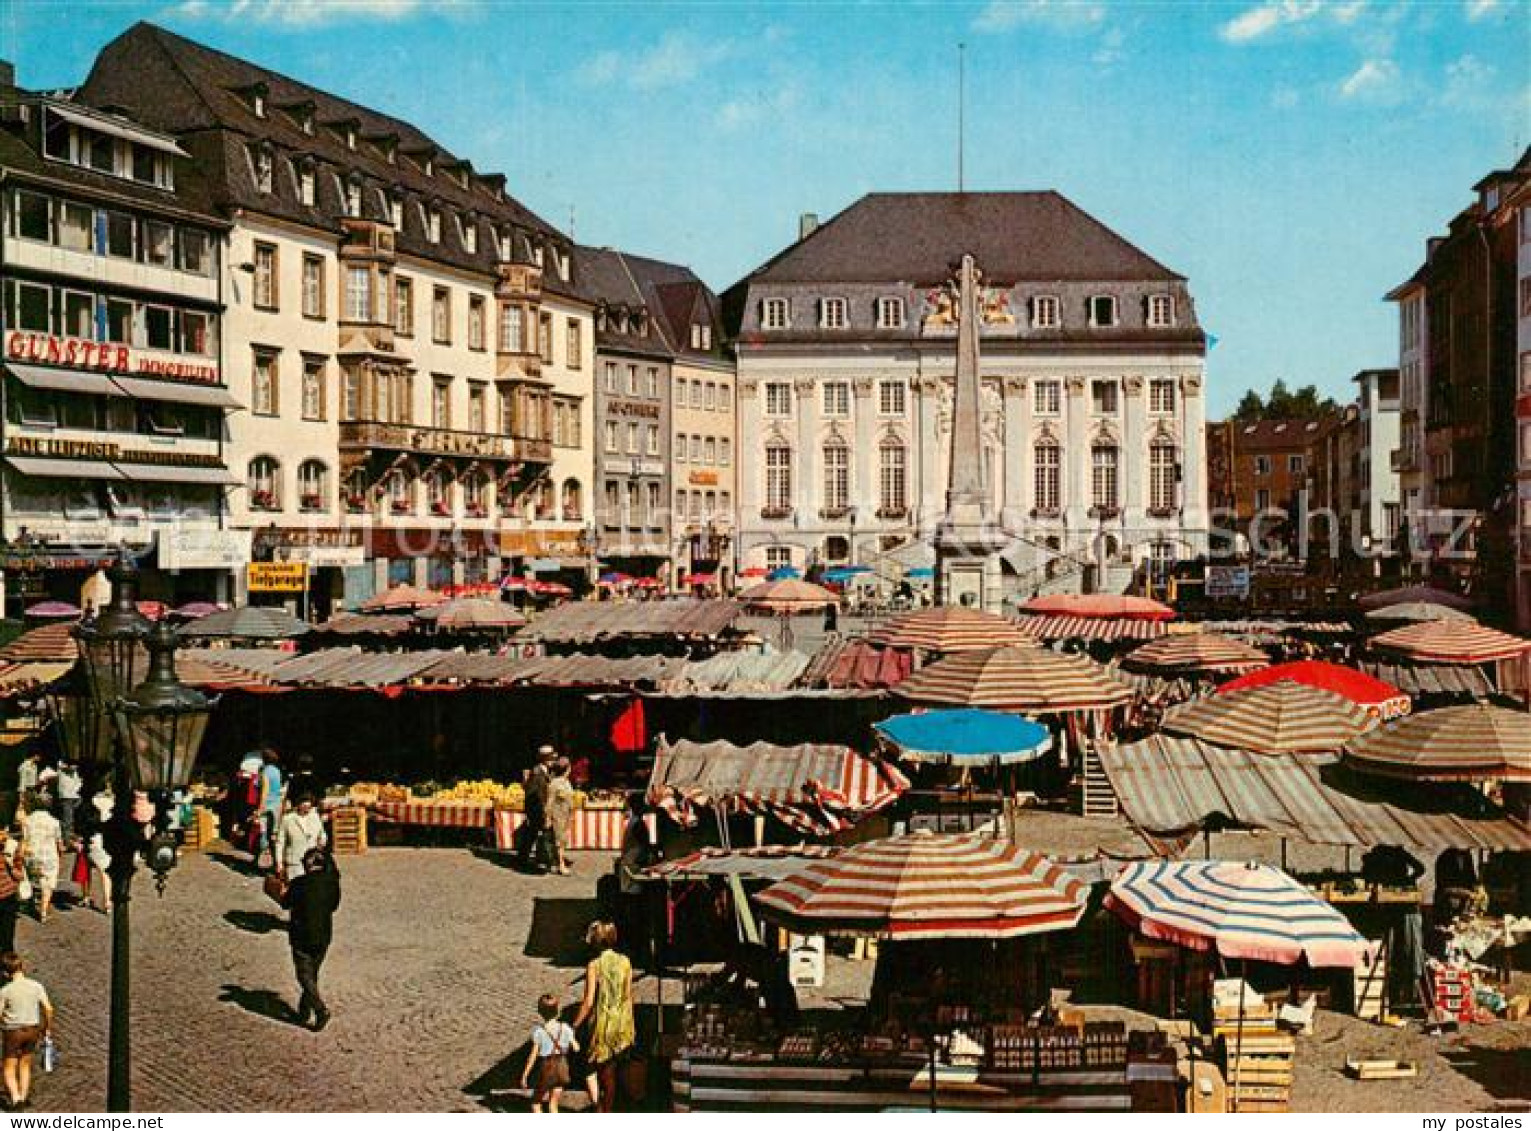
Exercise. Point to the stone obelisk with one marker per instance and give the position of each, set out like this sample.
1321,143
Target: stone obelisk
967,545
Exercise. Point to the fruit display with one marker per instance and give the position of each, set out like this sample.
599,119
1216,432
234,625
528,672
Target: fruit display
485,790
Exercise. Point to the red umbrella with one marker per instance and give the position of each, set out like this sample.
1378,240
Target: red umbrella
514,585
1380,698
754,571
1099,605
548,589
50,610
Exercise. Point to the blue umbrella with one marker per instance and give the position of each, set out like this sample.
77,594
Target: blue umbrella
921,573
782,573
845,573
966,736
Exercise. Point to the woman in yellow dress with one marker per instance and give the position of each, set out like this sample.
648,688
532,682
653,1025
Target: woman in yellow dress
608,1006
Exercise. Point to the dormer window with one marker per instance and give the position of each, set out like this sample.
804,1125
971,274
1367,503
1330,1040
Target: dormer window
1044,312
306,121
353,197
396,212
506,246
1161,310
306,183
773,314
890,312
433,225
470,236
832,314
1102,310
258,104
701,336
263,164
430,167
563,273
350,137
537,255
643,323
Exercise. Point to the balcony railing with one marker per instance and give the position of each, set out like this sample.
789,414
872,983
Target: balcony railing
443,442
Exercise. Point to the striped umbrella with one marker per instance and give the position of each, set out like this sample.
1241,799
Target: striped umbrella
1417,611
1197,652
470,614
247,622
1099,605
1285,717
1475,742
1040,627
1427,593
789,595
1377,696
928,886
1245,911
1024,678
948,628
401,597
1451,642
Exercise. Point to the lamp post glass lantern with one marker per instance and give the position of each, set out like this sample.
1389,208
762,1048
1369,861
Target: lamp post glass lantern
111,644
161,724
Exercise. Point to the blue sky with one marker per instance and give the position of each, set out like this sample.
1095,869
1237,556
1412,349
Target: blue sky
1289,156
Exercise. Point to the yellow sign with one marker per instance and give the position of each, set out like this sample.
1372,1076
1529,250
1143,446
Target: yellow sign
278,577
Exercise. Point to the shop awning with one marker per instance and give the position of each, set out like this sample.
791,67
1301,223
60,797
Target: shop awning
178,392
168,473
117,127
64,380
65,468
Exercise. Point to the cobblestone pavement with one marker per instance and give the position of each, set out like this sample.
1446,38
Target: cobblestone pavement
438,960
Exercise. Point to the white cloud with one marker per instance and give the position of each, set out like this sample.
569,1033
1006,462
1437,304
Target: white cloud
1259,21
1469,83
296,13
674,61
1111,48
1481,9
744,112
1373,80
1285,98
1005,15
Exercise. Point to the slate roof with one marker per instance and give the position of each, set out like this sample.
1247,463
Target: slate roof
672,294
203,96
916,237
1276,435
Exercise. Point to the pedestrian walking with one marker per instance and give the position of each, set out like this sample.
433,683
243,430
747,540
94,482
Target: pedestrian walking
44,851
301,829
269,805
26,1020
608,1007
547,1064
12,871
560,813
28,773
97,856
534,828
69,783
311,901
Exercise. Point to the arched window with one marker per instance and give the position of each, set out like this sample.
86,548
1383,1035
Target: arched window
475,494
893,478
264,480
401,492
438,494
313,486
1103,477
1163,470
1047,495
573,501
837,476
356,491
778,484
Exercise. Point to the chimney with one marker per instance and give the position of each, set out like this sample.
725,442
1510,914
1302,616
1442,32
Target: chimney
807,224
7,76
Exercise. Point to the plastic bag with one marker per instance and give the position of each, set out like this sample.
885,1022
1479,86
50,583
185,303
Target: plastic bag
48,1053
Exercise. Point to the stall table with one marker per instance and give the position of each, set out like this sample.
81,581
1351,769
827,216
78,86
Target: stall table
593,830
435,814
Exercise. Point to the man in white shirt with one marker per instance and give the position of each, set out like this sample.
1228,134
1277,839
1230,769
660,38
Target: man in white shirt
69,784
300,829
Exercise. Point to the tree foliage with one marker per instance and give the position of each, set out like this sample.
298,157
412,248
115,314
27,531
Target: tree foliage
1281,403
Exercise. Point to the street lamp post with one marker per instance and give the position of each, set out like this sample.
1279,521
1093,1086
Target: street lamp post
135,720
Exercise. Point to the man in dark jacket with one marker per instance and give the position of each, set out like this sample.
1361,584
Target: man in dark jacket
534,827
311,901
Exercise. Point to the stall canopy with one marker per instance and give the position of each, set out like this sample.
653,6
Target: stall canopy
927,886
248,622
1412,593
767,862
1100,605
948,628
1090,628
582,622
1170,788
402,598
1016,679
740,675
1378,696
367,624
817,790
966,737
49,642
1476,742
1285,717
788,595
1239,910
1196,652
858,666
1430,679
1451,642
472,614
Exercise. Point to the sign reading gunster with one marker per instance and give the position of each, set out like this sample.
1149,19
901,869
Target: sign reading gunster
82,353
277,577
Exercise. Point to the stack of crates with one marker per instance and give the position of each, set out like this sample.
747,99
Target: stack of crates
200,830
1451,991
348,831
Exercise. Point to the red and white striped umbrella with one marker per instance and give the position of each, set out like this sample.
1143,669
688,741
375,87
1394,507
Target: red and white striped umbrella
1025,678
1248,911
1451,642
1197,652
1099,605
1475,742
948,628
1285,717
788,595
1039,626
928,886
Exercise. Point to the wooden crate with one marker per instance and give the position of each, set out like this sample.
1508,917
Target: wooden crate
1369,989
200,831
1258,1069
348,831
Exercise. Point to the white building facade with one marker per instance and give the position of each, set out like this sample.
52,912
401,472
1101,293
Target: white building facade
1092,365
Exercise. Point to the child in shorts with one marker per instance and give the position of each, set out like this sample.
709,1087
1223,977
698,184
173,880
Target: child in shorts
547,1066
